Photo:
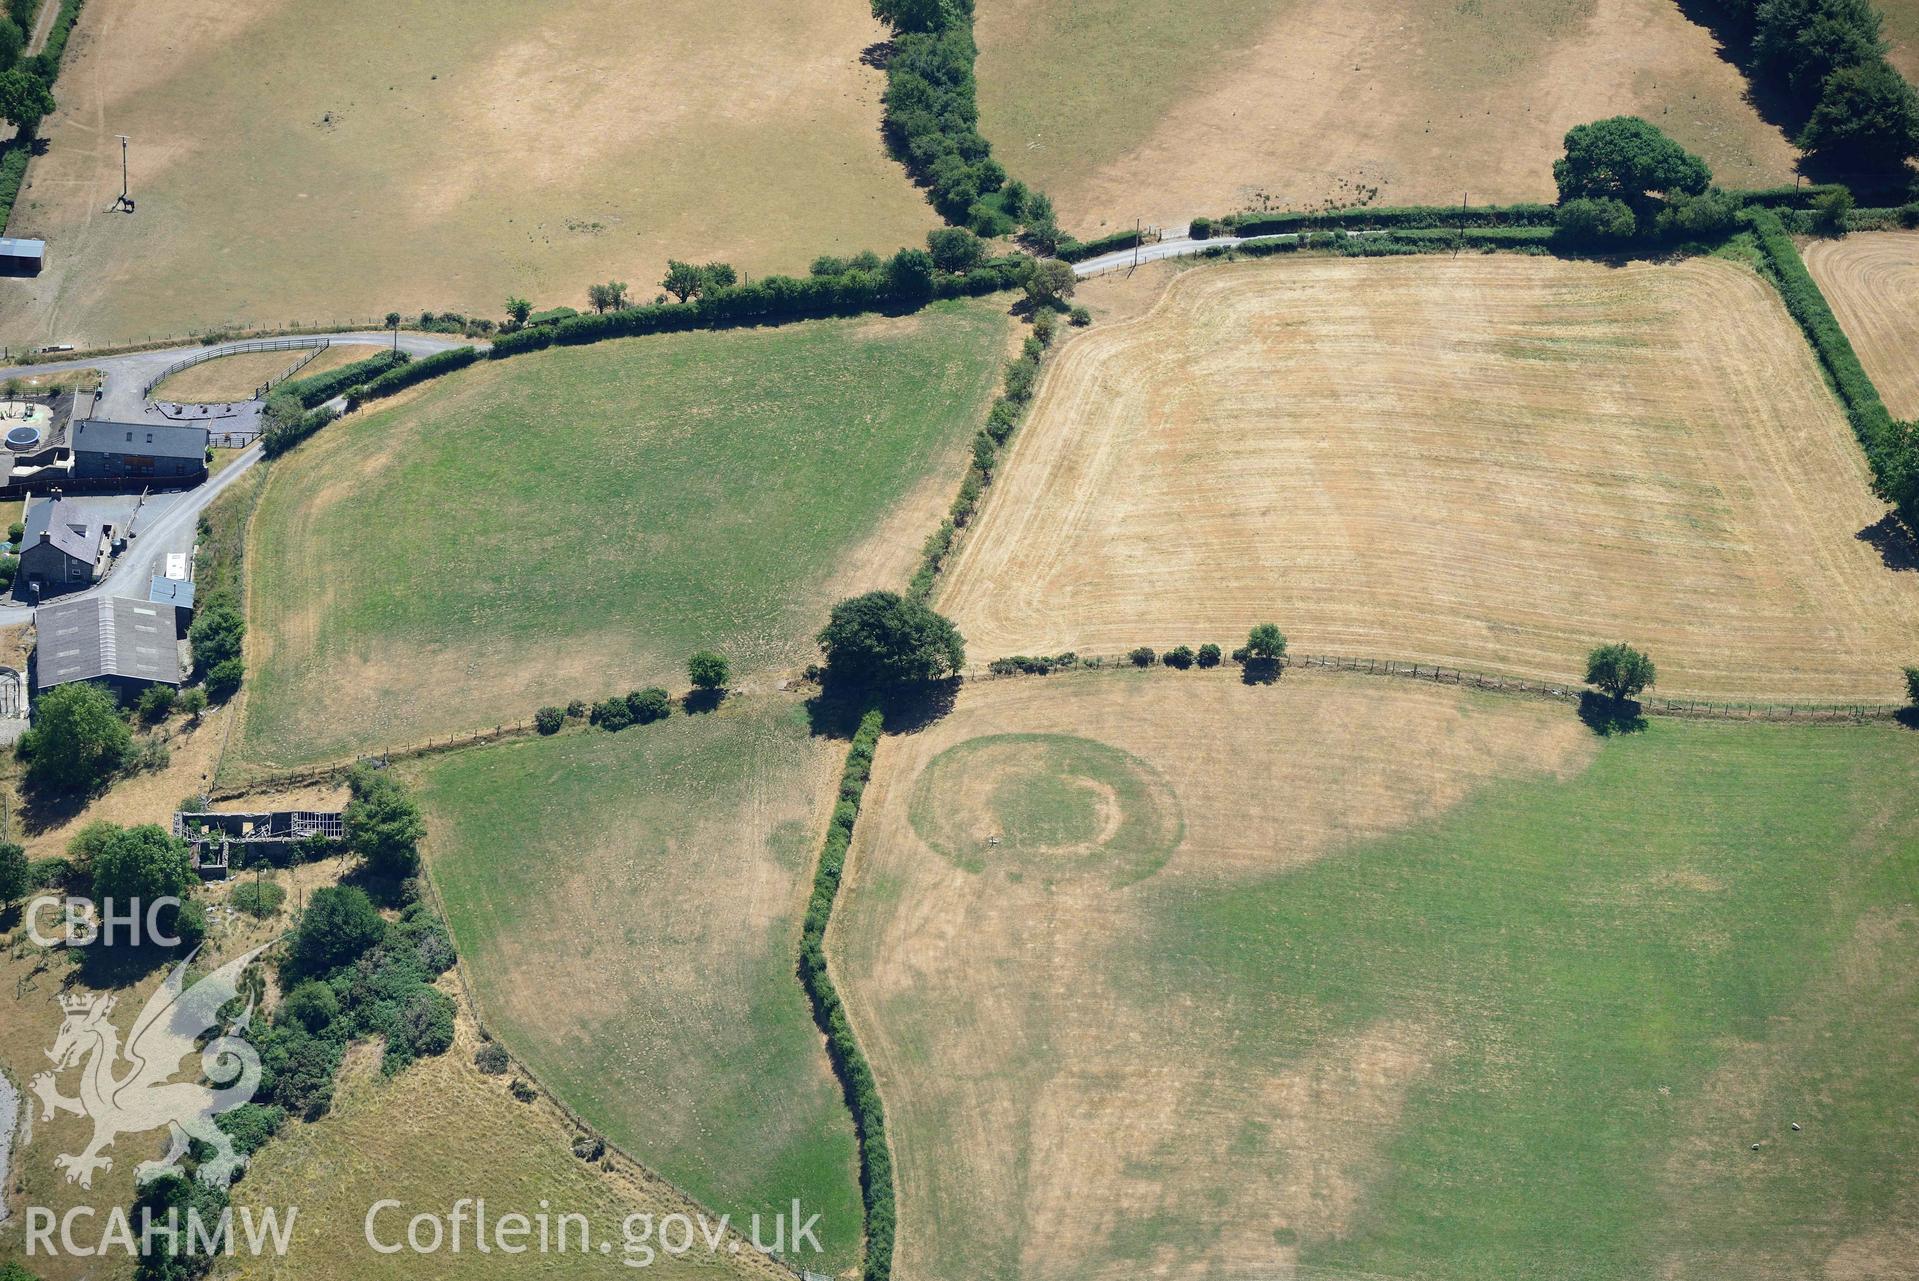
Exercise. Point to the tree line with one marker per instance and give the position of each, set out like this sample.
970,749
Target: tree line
1824,63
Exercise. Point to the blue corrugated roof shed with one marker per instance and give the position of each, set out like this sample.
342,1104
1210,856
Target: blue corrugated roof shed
177,592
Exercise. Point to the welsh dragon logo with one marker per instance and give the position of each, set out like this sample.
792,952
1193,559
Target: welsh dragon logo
144,1096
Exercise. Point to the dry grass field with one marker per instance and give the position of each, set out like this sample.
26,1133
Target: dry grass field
438,1132
321,162
338,354
1871,278
229,378
1424,983
1901,30
1118,113
1492,462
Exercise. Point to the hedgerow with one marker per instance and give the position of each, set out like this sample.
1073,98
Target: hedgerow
1080,250
1407,216
321,388
1888,444
415,371
855,1074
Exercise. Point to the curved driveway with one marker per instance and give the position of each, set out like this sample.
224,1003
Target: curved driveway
169,522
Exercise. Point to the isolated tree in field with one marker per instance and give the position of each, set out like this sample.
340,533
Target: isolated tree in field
1049,282
1868,118
16,877
383,825
1626,159
78,739
25,99
1619,671
1266,641
1912,685
708,670
882,640
518,309
340,925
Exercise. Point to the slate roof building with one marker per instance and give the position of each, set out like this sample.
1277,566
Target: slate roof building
62,549
110,450
125,643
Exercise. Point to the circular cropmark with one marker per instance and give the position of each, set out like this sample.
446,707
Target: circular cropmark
1052,804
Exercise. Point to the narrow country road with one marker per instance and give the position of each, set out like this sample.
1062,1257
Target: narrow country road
174,522
1178,247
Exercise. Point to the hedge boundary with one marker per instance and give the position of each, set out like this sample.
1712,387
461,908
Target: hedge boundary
1871,421
13,164
320,388
1391,217
849,1062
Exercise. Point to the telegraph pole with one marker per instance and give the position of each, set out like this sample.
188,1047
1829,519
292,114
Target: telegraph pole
1135,244
126,201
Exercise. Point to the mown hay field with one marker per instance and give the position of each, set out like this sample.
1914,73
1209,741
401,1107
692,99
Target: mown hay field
1491,462
325,162
1120,114
1871,279
1417,982
575,523
627,907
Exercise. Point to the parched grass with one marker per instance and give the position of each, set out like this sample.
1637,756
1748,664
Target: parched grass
576,522
628,908
1119,114
227,378
1527,1026
327,164
436,1133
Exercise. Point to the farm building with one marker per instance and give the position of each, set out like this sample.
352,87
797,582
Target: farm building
22,257
125,643
63,548
109,450
216,836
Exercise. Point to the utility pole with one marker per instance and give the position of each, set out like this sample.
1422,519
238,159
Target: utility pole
126,201
1135,244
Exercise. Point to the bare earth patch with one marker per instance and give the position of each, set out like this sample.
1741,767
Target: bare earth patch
1290,103
1871,278
294,162
1047,1127
1492,462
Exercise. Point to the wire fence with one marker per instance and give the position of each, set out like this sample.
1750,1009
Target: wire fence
1440,674
234,349
330,771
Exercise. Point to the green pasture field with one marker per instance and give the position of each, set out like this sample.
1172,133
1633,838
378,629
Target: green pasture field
575,522
628,909
1708,936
